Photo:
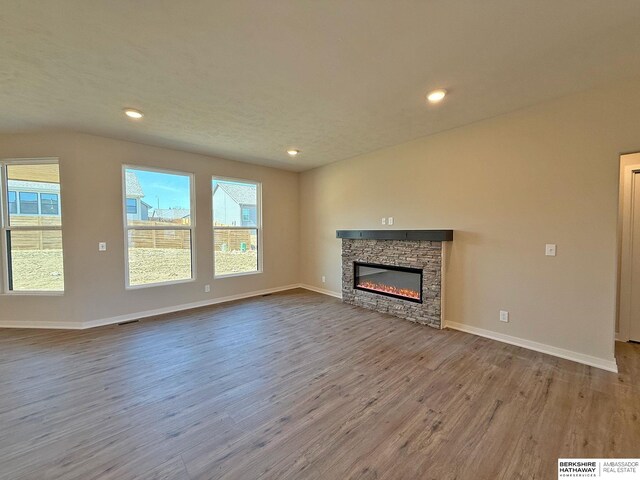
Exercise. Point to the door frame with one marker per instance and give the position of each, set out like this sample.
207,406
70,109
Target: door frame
629,166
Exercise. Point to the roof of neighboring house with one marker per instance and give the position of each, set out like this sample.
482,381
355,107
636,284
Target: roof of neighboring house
33,186
133,187
170,213
241,193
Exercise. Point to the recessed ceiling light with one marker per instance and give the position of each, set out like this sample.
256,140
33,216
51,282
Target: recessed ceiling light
133,113
436,96
293,152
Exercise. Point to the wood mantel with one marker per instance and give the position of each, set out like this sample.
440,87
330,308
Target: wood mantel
429,235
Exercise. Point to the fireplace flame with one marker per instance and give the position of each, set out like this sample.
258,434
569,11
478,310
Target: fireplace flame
381,287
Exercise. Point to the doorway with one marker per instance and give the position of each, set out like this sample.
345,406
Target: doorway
628,325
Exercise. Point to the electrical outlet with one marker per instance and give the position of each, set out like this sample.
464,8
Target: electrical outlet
384,220
102,246
207,288
390,221
550,250
504,316
324,279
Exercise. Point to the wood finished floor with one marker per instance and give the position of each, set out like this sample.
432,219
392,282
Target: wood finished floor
300,386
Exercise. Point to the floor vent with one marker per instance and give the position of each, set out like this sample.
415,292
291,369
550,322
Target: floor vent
130,321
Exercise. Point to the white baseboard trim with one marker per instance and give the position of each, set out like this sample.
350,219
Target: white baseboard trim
44,325
609,365
323,291
621,338
144,314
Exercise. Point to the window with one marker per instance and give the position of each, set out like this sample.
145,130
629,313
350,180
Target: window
132,205
28,203
159,240
246,216
13,204
31,240
49,204
236,227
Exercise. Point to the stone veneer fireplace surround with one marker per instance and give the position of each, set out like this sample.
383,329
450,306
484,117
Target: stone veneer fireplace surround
421,250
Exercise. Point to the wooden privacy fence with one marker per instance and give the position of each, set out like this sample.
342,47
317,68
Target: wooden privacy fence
35,239
232,240
174,239
224,240
180,239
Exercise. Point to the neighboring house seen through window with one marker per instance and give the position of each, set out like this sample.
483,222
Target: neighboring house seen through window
34,203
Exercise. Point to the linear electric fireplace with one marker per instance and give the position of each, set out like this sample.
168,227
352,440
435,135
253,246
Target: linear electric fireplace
398,282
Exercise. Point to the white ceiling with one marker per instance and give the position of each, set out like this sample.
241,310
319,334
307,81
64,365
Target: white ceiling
246,79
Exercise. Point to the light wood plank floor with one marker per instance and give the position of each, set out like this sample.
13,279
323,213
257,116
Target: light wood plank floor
300,386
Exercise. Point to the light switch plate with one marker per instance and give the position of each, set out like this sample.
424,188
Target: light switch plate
102,246
504,316
390,221
550,250
384,220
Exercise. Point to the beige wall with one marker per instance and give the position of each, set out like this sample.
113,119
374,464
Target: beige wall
90,169
507,186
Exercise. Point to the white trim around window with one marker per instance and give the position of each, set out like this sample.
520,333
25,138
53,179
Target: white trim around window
191,227
257,226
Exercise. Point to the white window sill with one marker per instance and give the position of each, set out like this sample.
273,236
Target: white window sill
159,284
35,293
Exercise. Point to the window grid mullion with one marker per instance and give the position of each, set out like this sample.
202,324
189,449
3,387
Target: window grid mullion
32,228
148,227
248,227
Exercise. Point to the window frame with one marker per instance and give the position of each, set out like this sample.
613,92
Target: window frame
5,226
191,226
258,226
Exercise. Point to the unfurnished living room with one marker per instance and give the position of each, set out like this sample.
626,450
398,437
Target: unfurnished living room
319,239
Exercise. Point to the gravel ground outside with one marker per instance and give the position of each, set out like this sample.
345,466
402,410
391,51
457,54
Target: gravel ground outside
37,270
235,262
155,265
